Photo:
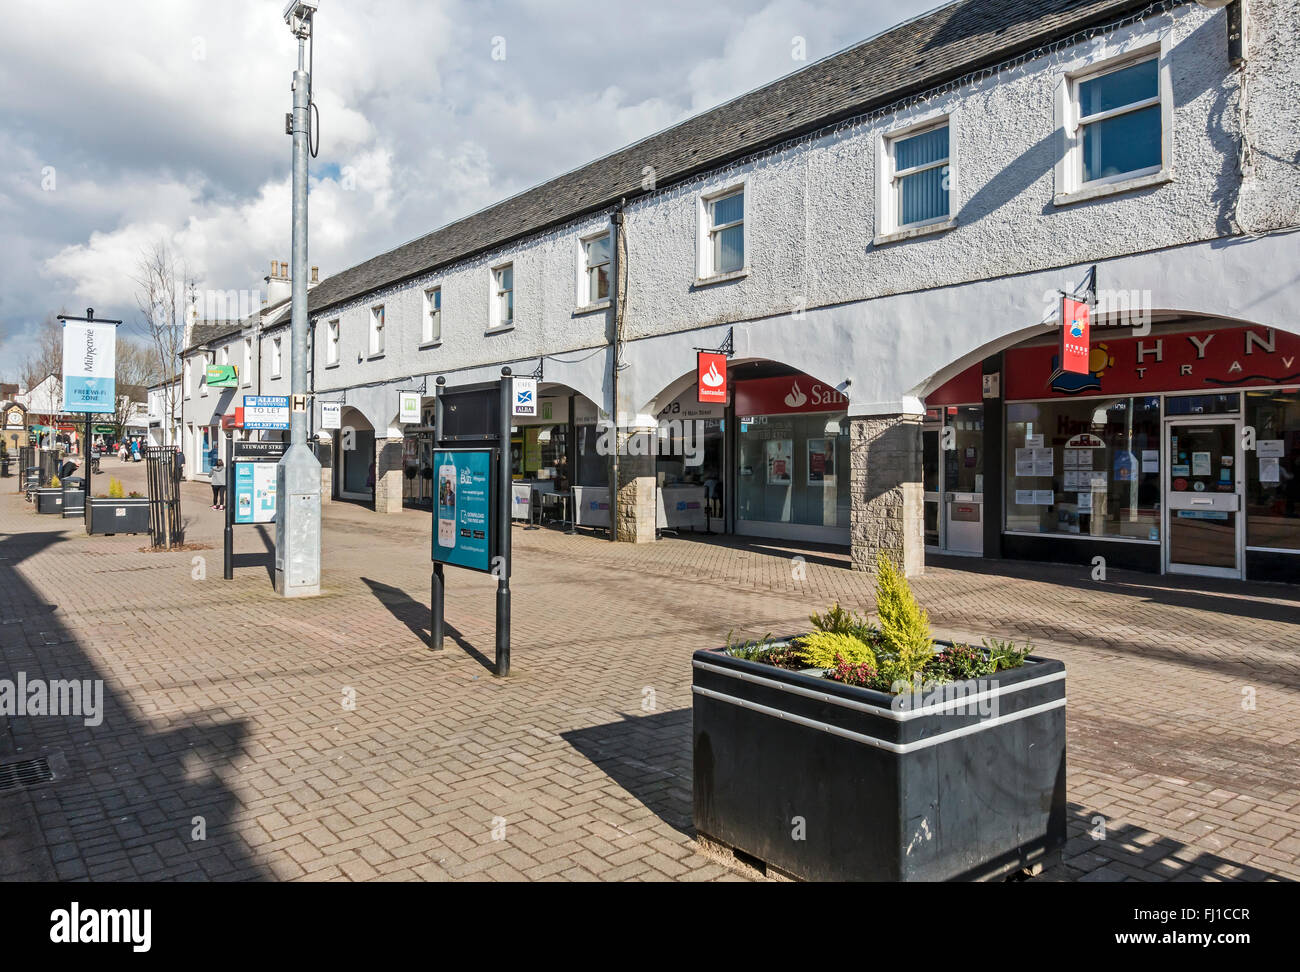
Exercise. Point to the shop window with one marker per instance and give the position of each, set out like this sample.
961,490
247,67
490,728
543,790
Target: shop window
1088,467
1273,470
794,469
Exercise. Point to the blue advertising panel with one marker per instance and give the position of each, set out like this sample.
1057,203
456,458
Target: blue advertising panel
463,525
266,411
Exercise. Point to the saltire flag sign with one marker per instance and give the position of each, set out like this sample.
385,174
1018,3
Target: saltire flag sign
89,359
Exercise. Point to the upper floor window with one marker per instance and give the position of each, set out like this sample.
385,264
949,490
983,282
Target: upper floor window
596,267
248,361
432,327
377,330
332,342
225,355
920,180
276,357
186,380
503,295
725,246
1118,125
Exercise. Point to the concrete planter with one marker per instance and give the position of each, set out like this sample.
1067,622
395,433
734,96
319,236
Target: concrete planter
49,499
822,781
110,516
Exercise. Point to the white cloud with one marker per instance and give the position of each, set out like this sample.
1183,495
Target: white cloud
167,123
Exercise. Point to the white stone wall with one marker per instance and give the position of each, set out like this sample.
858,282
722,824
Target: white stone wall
883,320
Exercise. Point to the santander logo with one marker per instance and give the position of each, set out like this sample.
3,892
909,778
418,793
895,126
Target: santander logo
711,377
796,398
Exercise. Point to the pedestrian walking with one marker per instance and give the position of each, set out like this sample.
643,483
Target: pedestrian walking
219,485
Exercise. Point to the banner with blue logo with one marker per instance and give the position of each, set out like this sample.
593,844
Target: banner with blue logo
89,359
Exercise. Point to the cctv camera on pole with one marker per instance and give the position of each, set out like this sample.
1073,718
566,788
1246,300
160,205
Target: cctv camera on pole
297,477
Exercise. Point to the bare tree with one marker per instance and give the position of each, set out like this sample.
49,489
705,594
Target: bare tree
46,356
160,295
136,368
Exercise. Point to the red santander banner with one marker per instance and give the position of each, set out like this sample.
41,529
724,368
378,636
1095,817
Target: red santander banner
1076,341
1201,361
711,378
782,396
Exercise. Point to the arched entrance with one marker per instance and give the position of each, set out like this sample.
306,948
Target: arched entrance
354,449
773,461
1177,451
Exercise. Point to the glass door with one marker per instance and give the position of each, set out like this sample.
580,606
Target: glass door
1202,485
962,447
930,432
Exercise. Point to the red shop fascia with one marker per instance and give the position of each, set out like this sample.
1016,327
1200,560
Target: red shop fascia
1208,361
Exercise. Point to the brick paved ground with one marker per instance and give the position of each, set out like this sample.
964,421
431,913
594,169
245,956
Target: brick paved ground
224,702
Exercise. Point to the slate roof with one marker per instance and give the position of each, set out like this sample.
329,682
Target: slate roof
929,50
205,333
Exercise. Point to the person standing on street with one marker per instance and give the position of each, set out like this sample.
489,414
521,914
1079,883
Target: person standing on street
219,485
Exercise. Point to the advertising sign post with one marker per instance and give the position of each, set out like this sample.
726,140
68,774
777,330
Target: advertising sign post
471,527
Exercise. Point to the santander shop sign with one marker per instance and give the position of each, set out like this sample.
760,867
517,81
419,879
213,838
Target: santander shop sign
786,395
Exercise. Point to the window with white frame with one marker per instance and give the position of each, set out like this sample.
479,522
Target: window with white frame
919,192
248,361
377,330
724,250
1118,130
332,342
225,355
595,270
188,373
503,295
275,357
432,327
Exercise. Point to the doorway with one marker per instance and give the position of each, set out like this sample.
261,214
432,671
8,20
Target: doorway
1203,497
953,474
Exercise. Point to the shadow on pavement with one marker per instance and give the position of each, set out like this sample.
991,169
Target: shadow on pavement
650,757
125,799
416,617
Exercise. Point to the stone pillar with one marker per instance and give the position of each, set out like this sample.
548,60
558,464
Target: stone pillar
888,494
388,475
636,488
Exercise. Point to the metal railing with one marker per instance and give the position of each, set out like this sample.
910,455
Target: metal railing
163,473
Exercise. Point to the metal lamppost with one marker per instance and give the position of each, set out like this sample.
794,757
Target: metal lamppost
298,519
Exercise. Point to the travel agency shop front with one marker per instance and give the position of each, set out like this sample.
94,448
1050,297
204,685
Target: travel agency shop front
1177,452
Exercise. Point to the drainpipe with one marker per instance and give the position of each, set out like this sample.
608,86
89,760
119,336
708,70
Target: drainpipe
616,341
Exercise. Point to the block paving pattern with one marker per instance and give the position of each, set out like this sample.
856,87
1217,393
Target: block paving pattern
321,739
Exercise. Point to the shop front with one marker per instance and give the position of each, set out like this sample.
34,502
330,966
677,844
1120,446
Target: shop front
792,459
1178,452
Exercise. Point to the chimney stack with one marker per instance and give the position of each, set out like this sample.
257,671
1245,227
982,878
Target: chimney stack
315,277
278,286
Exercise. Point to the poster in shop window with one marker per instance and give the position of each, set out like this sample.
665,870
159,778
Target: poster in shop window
821,461
780,456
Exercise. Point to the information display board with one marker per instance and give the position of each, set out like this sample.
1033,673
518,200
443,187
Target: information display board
254,498
464,506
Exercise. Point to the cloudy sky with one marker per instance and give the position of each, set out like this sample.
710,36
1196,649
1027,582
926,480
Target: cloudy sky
122,124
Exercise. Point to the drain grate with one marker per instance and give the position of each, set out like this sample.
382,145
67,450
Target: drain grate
28,772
